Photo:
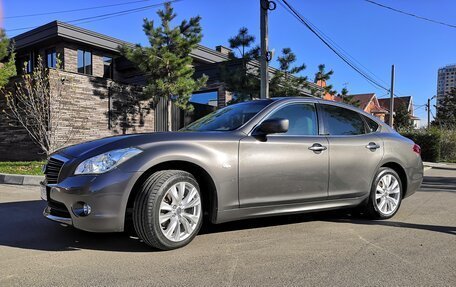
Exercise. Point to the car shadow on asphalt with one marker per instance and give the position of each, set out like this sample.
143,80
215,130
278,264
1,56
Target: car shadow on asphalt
437,183
22,226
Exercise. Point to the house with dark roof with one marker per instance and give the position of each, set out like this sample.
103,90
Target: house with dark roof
406,101
369,103
379,107
92,63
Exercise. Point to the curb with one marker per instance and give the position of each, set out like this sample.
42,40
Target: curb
440,166
444,168
20,179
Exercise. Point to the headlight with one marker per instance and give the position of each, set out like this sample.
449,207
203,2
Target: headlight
106,161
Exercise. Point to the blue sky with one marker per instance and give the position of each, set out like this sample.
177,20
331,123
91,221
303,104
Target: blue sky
374,36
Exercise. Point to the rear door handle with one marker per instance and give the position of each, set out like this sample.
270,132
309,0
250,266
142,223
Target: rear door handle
317,147
372,145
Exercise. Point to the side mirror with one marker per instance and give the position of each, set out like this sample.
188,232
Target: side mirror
272,126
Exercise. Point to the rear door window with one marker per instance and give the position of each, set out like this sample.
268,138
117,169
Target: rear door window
342,121
371,124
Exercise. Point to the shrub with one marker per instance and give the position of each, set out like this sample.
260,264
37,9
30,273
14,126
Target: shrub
429,141
448,145
436,144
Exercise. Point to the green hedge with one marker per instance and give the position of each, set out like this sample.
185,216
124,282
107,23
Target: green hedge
436,144
448,146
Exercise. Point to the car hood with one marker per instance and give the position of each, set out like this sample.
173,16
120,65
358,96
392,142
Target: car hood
96,147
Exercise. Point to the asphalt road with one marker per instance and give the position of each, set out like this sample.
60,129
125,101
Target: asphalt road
415,248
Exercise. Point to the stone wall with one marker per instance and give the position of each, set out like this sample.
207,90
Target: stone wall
85,110
15,143
89,109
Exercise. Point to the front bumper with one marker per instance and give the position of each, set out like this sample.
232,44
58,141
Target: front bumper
415,178
107,194
61,219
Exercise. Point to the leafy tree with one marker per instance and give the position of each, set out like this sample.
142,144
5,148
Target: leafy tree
38,103
7,60
238,75
446,110
167,63
402,118
286,82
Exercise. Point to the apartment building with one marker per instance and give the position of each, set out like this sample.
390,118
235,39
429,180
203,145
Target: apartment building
446,80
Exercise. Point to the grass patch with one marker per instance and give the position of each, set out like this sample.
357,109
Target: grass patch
21,167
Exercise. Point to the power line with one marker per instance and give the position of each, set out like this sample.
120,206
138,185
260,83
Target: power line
411,14
339,47
344,58
102,16
74,10
420,107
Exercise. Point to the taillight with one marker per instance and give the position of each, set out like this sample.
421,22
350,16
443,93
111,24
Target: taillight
417,149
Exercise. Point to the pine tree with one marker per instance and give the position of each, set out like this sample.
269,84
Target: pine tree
7,60
347,98
323,77
166,63
286,81
402,118
446,110
242,79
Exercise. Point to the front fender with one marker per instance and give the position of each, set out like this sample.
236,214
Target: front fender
219,160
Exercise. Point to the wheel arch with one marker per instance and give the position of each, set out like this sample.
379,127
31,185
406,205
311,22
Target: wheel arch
401,172
207,187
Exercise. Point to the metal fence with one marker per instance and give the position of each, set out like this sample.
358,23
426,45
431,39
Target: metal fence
180,118
161,116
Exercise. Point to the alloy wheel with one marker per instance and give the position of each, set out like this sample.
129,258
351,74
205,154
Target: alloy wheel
180,211
387,195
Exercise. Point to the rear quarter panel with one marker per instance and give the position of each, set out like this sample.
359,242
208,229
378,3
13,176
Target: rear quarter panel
399,149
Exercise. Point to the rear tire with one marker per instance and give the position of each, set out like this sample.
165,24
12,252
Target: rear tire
386,195
167,212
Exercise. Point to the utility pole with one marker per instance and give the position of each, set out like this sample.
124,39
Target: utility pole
428,107
391,121
264,54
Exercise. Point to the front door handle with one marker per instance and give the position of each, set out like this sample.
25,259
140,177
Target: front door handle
317,147
372,145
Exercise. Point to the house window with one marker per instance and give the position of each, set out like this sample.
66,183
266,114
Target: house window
25,63
51,58
108,67
85,62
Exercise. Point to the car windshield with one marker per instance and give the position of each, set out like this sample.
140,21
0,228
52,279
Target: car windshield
228,118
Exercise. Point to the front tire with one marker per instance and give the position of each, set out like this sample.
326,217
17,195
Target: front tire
167,212
386,194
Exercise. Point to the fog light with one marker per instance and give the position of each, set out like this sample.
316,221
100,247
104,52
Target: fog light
86,209
81,209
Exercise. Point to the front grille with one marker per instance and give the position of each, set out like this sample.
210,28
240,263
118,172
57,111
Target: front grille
52,170
58,209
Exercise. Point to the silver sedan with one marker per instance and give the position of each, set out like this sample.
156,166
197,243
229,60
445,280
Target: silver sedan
253,159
